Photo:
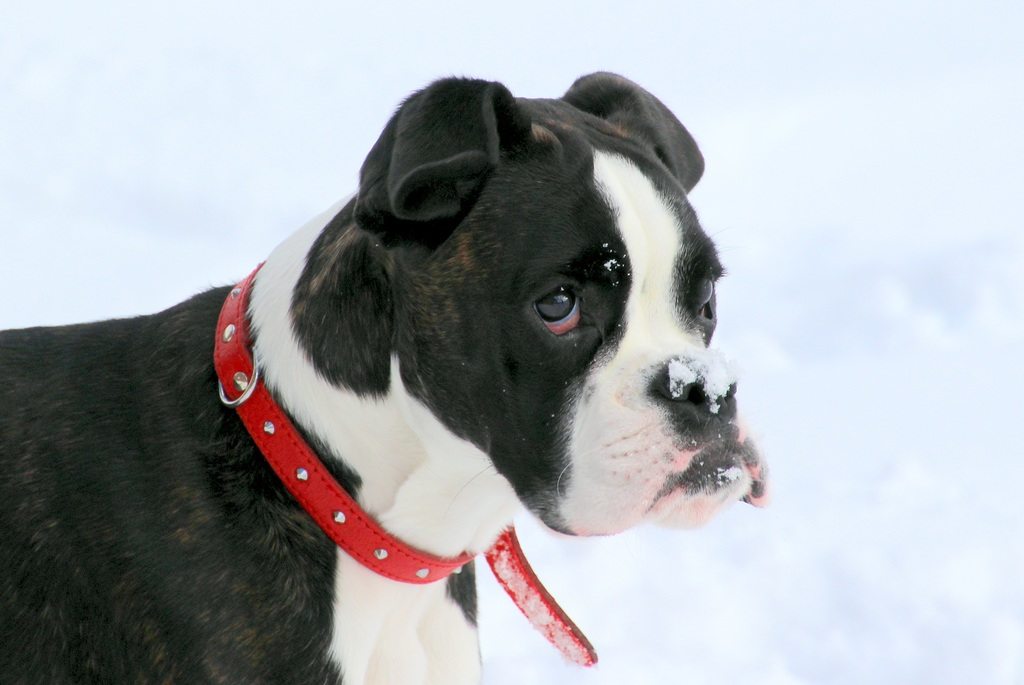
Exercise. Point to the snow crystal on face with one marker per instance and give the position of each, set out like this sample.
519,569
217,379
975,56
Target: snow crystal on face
679,376
729,475
711,368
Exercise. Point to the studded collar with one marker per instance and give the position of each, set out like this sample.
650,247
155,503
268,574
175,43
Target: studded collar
338,514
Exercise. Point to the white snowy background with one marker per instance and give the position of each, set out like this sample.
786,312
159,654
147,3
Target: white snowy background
863,183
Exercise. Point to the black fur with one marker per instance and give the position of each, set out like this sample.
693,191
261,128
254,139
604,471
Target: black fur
143,538
434,155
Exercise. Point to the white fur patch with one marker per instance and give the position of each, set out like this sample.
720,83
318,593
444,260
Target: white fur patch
623,447
388,632
425,485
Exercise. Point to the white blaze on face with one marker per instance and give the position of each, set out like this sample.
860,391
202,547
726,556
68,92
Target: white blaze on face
623,446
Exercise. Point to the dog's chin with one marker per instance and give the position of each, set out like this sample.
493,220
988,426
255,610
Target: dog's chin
717,477
683,509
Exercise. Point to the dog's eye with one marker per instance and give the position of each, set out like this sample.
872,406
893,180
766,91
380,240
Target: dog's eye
559,310
705,295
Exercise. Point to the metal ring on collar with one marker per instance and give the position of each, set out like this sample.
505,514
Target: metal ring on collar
249,389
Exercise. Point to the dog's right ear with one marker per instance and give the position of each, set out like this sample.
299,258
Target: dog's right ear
643,116
428,166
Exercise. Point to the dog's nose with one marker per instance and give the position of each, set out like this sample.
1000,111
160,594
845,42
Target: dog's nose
693,395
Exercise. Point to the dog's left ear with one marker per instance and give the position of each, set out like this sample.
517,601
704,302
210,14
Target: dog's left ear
641,116
429,164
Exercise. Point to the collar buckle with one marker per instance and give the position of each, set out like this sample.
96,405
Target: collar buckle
244,383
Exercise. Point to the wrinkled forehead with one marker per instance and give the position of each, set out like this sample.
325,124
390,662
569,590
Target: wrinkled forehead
666,248
651,225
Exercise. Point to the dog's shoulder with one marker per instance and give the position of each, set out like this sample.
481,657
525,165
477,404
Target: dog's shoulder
125,484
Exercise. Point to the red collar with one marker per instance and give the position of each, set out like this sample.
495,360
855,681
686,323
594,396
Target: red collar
341,517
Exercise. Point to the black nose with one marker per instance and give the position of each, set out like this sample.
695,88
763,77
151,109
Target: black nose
692,396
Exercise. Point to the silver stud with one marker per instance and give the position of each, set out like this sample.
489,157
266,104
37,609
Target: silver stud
457,571
241,380
268,427
302,474
235,292
380,553
423,573
229,332
339,517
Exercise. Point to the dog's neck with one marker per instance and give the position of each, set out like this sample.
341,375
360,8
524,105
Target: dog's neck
422,483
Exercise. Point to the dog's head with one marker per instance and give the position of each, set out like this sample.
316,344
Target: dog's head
538,272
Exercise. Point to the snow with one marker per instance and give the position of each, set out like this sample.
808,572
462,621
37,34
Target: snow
729,475
862,186
713,369
512,571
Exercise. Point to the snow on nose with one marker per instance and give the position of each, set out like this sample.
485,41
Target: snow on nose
711,369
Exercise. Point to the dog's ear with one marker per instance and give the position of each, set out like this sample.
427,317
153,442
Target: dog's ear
641,116
427,168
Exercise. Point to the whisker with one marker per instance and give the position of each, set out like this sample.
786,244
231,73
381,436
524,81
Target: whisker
617,441
467,484
558,483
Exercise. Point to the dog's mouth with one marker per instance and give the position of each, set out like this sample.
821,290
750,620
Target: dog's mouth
720,472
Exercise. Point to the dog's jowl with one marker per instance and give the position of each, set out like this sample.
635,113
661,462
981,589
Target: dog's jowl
514,310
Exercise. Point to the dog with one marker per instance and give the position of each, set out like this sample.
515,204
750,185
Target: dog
514,310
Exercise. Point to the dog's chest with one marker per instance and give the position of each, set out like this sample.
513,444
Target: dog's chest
388,632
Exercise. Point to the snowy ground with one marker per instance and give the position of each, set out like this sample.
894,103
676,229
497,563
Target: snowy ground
863,183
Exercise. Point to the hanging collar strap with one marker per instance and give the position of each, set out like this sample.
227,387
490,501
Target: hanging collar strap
340,516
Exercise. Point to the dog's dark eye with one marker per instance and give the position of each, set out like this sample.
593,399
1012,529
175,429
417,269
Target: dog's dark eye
559,310
705,297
